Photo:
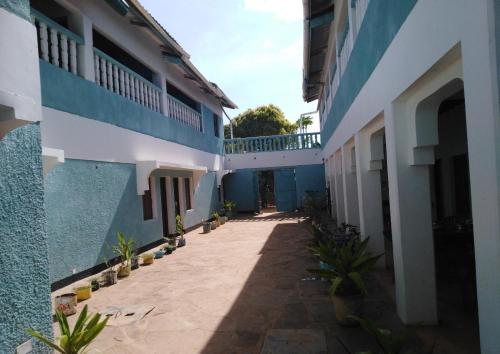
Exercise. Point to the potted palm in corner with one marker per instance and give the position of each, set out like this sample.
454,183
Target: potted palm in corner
124,249
229,207
346,270
179,230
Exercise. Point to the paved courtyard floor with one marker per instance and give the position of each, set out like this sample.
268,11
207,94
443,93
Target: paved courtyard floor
242,288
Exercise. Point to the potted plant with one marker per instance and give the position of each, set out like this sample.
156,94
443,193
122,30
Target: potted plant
229,207
147,258
169,249
134,261
179,230
223,217
159,254
110,275
94,283
213,225
83,292
207,227
349,264
216,217
390,342
66,303
75,341
124,249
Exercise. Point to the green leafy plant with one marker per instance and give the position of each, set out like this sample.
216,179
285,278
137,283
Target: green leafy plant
74,341
125,248
179,227
389,342
348,265
229,205
215,216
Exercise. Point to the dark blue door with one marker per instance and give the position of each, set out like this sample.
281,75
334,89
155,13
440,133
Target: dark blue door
285,190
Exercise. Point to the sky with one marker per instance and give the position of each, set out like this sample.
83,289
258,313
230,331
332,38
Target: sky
252,49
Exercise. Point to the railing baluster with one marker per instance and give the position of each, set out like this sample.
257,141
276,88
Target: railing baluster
54,49
73,57
44,41
97,70
104,74
110,76
63,42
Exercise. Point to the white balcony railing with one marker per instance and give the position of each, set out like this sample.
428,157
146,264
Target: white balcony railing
57,45
183,113
119,79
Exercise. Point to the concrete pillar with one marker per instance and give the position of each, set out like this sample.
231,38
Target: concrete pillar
350,184
481,86
82,25
411,220
339,187
369,196
331,181
160,79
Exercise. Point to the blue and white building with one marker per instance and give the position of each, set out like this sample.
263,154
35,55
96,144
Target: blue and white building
106,126
409,109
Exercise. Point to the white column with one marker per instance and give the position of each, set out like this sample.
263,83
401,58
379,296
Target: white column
350,186
339,188
82,25
369,196
411,223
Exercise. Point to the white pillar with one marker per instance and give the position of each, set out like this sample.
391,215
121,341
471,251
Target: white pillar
82,25
339,187
411,222
369,196
350,185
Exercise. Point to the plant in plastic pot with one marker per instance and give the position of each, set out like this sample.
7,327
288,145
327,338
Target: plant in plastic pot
347,267
125,250
216,217
229,207
179,230
207,227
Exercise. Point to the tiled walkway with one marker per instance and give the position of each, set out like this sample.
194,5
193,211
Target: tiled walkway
239,289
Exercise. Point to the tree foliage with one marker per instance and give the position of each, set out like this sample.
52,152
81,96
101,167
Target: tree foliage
261,121
306,121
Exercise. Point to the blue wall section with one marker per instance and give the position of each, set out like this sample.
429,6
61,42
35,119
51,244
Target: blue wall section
24,291
241,187
382,21
69,93
18,7
87,202
309,178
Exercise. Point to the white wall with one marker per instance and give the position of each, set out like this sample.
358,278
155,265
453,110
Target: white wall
273,159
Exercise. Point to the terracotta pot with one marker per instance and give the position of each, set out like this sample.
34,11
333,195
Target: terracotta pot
66,303
213,225
346,306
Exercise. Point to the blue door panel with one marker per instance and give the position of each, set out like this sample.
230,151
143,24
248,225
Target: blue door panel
285,189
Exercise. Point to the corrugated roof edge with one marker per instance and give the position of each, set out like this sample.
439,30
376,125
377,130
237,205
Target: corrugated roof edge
183,55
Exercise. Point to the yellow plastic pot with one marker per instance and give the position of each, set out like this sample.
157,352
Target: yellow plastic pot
148,258
124,271
83,292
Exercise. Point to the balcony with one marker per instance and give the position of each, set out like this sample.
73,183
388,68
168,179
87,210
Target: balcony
272,143
64,49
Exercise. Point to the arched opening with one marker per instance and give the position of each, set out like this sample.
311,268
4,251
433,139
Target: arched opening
452,224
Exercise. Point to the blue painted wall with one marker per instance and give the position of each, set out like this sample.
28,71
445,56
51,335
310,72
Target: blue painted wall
241,187
24,291
381,23
309,178
18,7
88,202
89,100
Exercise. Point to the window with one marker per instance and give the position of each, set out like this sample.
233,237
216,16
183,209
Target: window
187,191
216,125
147,203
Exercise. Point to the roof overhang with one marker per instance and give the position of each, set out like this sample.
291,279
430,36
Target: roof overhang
145,168
174,53
318,17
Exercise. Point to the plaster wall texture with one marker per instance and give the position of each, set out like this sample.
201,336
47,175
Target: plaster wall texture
20,8
94,102
24,262
88,139
20,84
88,202
273,159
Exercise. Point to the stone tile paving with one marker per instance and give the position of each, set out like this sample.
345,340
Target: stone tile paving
231,291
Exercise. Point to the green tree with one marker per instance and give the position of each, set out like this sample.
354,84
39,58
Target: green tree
261,121
306,121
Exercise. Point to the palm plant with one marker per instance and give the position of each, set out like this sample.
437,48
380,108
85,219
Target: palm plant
74,341
347,266
124,248
229,205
